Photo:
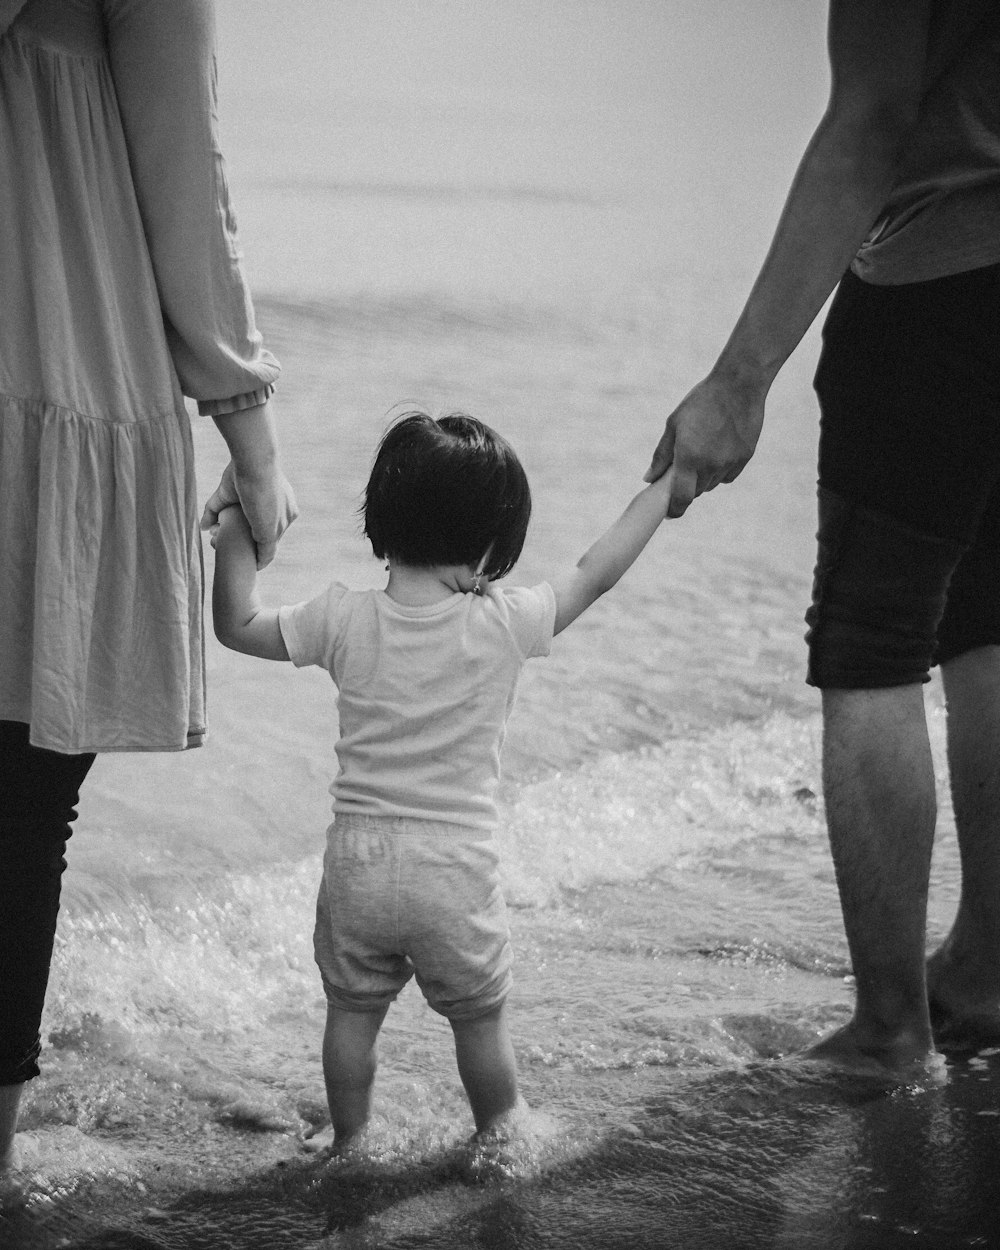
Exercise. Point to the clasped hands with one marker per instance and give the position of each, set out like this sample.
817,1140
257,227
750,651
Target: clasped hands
267,500
709,439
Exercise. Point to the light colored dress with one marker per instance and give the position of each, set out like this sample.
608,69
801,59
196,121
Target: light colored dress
120,292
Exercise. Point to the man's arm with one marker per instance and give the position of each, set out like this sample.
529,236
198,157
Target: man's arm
878,56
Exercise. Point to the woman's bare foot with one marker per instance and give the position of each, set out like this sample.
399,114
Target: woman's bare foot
20,1160
10,1099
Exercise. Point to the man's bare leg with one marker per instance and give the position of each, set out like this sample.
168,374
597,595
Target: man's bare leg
964,975
878,780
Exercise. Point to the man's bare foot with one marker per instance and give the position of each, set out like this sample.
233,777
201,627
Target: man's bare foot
963,1017
903,1057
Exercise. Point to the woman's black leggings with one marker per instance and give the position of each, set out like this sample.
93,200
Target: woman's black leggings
39,791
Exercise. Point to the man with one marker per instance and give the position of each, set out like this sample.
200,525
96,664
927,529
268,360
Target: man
900,187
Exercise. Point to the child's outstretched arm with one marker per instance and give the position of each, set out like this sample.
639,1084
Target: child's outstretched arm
613,553
240,621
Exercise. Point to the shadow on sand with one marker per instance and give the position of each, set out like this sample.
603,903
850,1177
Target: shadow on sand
780,1155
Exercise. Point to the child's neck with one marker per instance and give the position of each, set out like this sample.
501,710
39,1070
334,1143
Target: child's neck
419,587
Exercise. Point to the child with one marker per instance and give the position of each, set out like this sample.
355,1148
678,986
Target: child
426,672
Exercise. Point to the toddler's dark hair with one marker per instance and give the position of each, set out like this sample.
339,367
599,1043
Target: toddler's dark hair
446,491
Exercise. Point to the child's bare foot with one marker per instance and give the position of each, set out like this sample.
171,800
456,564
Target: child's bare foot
320,1141
509,1123
325,1143
513,1143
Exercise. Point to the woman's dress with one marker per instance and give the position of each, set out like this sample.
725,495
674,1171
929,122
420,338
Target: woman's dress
120,292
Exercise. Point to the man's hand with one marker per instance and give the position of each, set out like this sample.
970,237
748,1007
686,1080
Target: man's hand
709,439
267,500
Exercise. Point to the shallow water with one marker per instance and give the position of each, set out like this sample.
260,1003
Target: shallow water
438,206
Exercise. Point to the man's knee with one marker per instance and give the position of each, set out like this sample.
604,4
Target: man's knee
879,593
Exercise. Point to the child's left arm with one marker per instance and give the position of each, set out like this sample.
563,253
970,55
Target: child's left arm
613,553
241,623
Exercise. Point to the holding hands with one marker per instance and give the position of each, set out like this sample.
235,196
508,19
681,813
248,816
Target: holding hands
709,438
254,480
264,494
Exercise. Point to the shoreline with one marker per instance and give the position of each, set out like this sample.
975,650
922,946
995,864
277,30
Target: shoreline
768,1156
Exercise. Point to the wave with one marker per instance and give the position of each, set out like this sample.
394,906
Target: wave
434,192
727,825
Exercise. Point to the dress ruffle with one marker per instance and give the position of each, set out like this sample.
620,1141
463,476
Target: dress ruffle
100,639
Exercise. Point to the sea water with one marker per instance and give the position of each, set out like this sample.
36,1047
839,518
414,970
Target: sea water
546,213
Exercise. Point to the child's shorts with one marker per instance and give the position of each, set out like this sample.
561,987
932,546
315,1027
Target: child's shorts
403,897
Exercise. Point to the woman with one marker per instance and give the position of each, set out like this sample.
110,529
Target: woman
121,293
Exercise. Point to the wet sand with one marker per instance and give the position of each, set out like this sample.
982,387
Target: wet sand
777,1155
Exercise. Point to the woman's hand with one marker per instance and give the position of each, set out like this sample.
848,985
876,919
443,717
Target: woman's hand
253,479
267,500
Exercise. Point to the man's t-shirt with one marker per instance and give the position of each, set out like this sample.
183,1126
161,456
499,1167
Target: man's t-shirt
943,215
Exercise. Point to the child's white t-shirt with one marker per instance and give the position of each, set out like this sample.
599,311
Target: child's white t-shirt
423,693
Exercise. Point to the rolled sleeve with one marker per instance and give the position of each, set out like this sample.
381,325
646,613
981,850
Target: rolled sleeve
237,403
163,63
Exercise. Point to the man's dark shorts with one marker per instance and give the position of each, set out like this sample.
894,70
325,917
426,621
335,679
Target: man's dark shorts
908,566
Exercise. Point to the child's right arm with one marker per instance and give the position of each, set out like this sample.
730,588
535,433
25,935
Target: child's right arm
240,621
613,553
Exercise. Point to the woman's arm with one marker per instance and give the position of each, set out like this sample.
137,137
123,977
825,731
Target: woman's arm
878,57
163,62
241,623
613,553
